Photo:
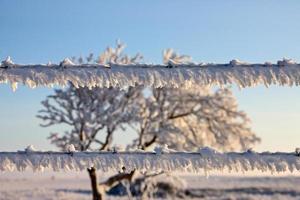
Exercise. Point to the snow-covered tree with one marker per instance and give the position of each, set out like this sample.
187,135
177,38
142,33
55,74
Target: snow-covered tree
88,113
183,119
188,119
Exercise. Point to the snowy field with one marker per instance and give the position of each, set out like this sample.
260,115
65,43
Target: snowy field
36,186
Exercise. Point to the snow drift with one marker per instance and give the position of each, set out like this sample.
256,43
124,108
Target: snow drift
285,72
205,159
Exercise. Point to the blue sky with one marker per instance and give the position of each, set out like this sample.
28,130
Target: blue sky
209,31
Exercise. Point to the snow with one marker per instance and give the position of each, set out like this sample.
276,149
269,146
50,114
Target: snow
205,160
76,186
285,72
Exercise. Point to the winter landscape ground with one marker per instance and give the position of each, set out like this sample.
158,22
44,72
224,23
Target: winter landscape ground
76,186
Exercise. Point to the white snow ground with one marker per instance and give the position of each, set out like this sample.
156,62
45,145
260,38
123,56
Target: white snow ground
75,186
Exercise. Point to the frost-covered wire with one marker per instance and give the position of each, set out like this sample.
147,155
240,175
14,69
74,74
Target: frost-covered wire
205,159
123,76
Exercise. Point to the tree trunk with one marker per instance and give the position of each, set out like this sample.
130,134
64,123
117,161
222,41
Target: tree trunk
93,177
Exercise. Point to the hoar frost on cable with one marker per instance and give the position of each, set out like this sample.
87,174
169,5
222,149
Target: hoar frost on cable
113,68
205,159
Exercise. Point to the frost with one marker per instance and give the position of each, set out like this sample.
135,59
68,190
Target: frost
30,148
286,62
236,62
173,59
207,151
115,69
123,76
268,64
70,148
206,159
66,62
7,63
162,149
118,148
116,56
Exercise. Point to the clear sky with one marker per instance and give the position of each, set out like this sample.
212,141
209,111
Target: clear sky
210,31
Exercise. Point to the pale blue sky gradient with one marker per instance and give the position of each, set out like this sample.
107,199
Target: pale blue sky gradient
209,31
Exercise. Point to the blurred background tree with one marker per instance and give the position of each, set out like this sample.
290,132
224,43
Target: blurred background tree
183,119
